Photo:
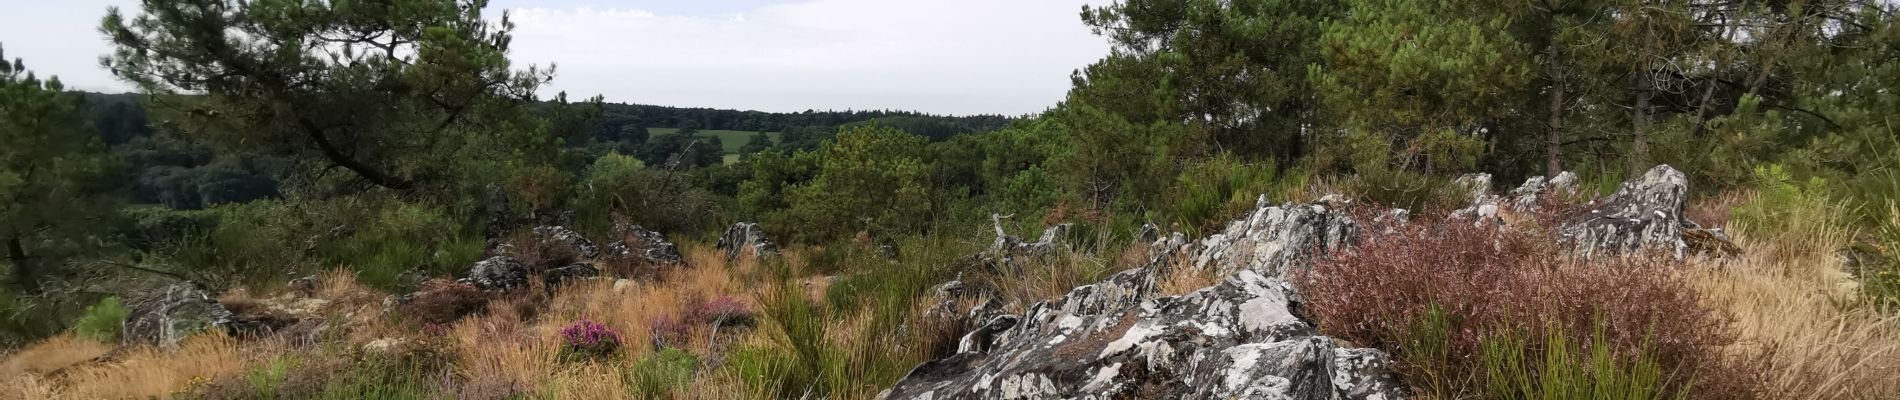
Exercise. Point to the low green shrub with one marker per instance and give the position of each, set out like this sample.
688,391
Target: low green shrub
101,321
1789,211
657,375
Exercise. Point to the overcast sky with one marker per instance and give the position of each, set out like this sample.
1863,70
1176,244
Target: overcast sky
941,56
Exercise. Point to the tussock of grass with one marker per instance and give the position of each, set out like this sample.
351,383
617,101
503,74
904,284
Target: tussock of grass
52,354
1796,307
146,372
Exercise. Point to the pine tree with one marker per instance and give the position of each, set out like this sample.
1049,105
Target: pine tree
50,169
392,91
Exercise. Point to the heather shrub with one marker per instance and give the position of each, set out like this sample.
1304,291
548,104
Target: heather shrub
722,311
668,331
588,340
442,301
1434,294
102,321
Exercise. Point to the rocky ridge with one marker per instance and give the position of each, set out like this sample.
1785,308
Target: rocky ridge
1241,338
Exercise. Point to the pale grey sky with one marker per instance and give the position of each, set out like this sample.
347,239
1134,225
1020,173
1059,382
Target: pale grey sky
941,56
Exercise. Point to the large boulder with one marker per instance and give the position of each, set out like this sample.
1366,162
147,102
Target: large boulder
566,239
646,244
1643,214
745,236
164,316
1273,239
498,273
1236,339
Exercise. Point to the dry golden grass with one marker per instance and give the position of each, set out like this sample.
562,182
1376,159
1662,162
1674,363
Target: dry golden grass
1791,300
146,372
52,354
499,350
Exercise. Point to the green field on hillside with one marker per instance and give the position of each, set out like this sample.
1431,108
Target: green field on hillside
731,141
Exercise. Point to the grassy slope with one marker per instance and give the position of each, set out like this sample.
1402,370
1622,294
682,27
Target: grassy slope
730,140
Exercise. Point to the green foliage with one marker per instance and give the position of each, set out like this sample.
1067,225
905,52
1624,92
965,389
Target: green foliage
684,150
1585,371
51,167
621,187
1789,210
390,244
657,375
1880,275
385,377
866,180
1213,191
394,248
267,381
419,91
102,321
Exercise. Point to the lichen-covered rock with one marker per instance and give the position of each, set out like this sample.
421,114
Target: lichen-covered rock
1272,239
636,241
568,238
745,236
498,273
571,272
1112,339
1007,248
164,316
1645,213
1537,188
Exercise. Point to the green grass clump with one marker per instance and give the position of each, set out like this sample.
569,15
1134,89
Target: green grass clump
658,375
267,381
101,321
1513,370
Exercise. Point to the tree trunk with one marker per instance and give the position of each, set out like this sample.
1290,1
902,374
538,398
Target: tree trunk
1639,152
1553,139
25,277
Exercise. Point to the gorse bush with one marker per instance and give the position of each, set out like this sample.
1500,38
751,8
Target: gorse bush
102,321
1435,296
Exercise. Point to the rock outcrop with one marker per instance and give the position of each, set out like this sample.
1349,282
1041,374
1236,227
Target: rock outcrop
498,273
1273,239
742,237
1644,213
1536,189
1236,339
646,244
1116,339
568,239
164,316
1008,247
